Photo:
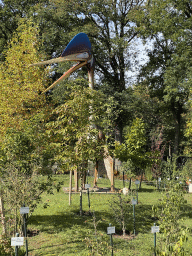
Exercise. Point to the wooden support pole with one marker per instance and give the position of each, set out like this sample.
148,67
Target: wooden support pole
70,187
112,176
76,180
96,173
2,211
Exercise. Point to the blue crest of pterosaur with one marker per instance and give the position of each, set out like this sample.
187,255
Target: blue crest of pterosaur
79,44
78,49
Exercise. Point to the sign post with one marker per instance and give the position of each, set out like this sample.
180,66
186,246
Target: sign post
25,210
17,241
154,229
111,231
134,202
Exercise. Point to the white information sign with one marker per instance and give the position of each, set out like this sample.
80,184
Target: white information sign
154,229
137,182
110,230
134,201
24,210
87,186
17,241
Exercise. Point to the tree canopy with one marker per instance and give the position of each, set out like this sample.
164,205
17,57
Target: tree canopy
20,86
161,96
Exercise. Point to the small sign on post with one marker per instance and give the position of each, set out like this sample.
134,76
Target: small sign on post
134,202
110,230
87,186
154,229
17,241
24,210
137,182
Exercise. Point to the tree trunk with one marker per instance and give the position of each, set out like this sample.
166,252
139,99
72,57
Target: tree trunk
3,222
130,184
177,137
123,230
177,111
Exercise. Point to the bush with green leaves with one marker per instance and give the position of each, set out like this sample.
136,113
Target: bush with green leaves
169,215
5,246
97,242
21,165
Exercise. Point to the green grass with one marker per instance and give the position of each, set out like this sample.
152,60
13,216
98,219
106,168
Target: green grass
62,231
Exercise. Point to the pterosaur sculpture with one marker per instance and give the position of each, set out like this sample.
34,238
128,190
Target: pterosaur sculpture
78,50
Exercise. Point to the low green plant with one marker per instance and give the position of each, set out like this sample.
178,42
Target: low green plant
121,210
174,235
5,246
97,242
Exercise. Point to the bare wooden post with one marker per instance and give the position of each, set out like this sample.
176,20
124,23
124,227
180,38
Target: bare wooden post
96,174
112,176
70,187
2,214
76,180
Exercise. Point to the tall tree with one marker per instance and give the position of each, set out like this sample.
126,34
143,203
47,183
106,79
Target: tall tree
111,28
168,24
11,12
21,156
134,148
75,127
20,86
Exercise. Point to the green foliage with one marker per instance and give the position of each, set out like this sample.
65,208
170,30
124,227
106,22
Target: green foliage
97,242
20,85
186,170
167,73
77,124
5,246
122,209
25,154
169,169
11,12
63,231
134,147
128,168
174,235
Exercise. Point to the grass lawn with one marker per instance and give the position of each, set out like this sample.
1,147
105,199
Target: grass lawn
62,231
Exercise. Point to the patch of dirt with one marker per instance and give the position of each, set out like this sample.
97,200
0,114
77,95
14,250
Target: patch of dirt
127,236
93,189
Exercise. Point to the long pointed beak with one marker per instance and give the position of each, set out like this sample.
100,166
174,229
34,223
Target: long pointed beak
66,74
73,57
